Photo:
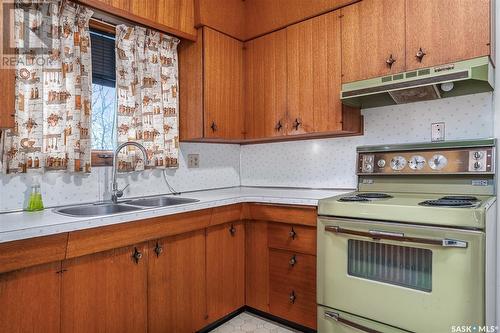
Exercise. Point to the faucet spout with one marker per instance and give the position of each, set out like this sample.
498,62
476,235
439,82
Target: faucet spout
115,192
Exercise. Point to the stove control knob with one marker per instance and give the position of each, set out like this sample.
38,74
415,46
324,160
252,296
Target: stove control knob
477,165
477,155
381,163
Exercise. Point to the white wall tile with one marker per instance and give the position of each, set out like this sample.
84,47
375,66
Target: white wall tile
330,163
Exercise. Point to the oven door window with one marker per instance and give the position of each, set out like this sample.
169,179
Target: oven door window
398,265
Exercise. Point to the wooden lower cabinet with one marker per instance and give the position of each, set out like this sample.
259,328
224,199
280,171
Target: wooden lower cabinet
257,265
225,252
176,284
30,299
106,291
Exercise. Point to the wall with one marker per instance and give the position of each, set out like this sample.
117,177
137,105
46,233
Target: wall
330,163
219,167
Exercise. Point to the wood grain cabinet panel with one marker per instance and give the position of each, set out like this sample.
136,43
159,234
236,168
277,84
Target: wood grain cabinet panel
223,86
227,16
292,237
176,283
292,286
225,269
7,86
446,30
314,75
257,265
106,292
30,299
372,32
265,86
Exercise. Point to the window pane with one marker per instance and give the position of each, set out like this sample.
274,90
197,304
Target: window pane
399,265
103,117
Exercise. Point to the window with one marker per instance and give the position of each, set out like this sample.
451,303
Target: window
103,91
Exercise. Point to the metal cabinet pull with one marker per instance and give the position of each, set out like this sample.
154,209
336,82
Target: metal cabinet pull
278,126
137,255
390,61
336,316
293,260
400,237
158,249
292,297
420,54
232,230
296,124
213,126
292,234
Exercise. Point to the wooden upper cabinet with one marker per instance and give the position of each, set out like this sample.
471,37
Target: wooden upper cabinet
446,31
106,292
172,16
227,16
223,86
313,75
265,86
225,269
8,87
373,33
30,299
176,283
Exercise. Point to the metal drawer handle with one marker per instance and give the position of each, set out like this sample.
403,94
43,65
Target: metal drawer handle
158,249
137,255
377,235
232,230
292,234
293,260
292,297
335,316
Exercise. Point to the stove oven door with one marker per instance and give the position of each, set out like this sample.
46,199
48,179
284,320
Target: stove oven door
417,278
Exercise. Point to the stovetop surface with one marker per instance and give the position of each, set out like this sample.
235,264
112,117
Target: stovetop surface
417,208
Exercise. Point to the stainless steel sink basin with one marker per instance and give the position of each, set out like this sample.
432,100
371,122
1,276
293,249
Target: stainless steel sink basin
96,210
160,201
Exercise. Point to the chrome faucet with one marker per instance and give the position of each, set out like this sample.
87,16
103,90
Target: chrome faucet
115,192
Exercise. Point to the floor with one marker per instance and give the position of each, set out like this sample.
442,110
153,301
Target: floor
250,323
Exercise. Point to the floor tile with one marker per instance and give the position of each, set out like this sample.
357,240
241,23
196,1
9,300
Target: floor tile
250,323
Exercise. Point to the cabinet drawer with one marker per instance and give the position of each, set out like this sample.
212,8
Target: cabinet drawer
292,237
292,288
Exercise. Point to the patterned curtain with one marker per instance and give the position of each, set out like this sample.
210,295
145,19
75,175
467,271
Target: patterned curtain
53,87
146,83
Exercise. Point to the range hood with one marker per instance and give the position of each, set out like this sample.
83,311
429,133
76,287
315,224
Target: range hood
455,79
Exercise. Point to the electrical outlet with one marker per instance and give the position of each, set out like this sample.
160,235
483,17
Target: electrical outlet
193,160
437,132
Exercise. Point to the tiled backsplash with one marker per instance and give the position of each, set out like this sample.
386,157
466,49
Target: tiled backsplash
326,163
219,167
330,163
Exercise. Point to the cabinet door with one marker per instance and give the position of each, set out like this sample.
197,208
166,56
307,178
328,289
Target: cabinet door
106,292
30,299
373,32
176,284
313,79
265,86
446,31
225,269
7,83
223,86
257,265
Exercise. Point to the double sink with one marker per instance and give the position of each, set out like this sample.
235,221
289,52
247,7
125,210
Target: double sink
104,209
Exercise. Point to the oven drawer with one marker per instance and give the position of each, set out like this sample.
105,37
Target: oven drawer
335,321
292,237
292,286
417,278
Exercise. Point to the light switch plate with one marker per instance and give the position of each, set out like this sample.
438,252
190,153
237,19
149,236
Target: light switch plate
437,132
193,160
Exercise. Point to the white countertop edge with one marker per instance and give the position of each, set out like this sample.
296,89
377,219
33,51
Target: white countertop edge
50,223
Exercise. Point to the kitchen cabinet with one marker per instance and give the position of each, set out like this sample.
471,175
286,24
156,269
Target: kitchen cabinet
213,111
227,16
176,283
265,86
440,32
7,86
225,252
106,291
257,265
171,16
373,39
30,299
314,78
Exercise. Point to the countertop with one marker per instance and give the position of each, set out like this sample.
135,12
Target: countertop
23,225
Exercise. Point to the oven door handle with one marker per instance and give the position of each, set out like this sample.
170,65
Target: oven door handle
400,237
336,316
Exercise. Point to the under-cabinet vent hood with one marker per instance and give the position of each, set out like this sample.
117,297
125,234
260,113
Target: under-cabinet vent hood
455,79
